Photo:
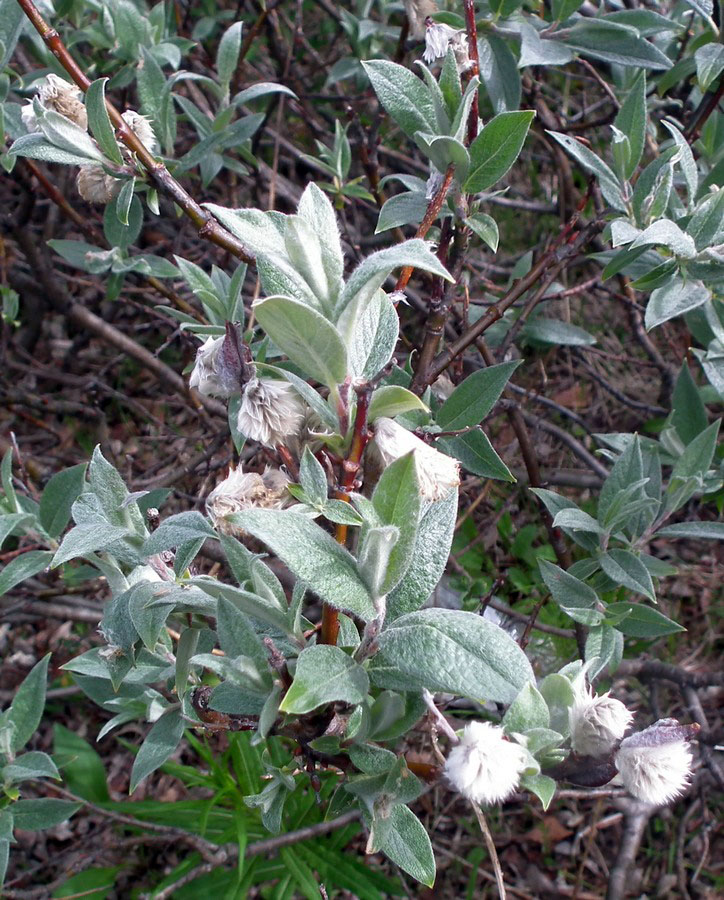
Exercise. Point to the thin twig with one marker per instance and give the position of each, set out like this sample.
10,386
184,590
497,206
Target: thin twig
490,844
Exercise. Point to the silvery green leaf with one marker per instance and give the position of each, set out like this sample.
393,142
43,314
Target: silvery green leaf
280,277
703,7
537,51
557,690
305,253
316,209
262,89
30,765
626,569
17,522
261,608
375,336
631,119
694,462
85,539
123,205
177,530
712,361
407,208
474,450
472,400
444,151
37,146
106,483
654,188
453,651
260,232
623,232
646,22
459,125
574,597
312,555
595,165
636,620
696,530
26,708
22,567
499,73
12,20
528,710
666,233
392,400
604,644
99,121
442,118
396,500
160,743
227,55
324,674
542,786
709,64
155,95
185,649
688,414
403,95
58,497
429,557
450,83
45,812
486,228
66,135
674,299
341,513
407,844
577,520
312,477
557,332
685,158
615,43
307,338
706,225
496,148
370,275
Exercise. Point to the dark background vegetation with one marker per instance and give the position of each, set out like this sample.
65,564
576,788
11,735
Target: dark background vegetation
70,380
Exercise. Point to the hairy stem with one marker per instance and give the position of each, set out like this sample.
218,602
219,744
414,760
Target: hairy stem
350,467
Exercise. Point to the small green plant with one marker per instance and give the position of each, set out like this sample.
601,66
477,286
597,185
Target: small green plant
18,724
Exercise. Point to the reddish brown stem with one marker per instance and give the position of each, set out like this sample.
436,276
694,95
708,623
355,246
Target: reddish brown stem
472,30
350,468
431,214
206,225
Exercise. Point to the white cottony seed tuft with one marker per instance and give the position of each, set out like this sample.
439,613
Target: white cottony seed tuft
655,764
597,722
141,127
270,411
438,37
246,490
209,376
95,185
57,94
485,767
437,473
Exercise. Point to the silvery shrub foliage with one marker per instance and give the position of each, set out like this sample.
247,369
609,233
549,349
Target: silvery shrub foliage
365,526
